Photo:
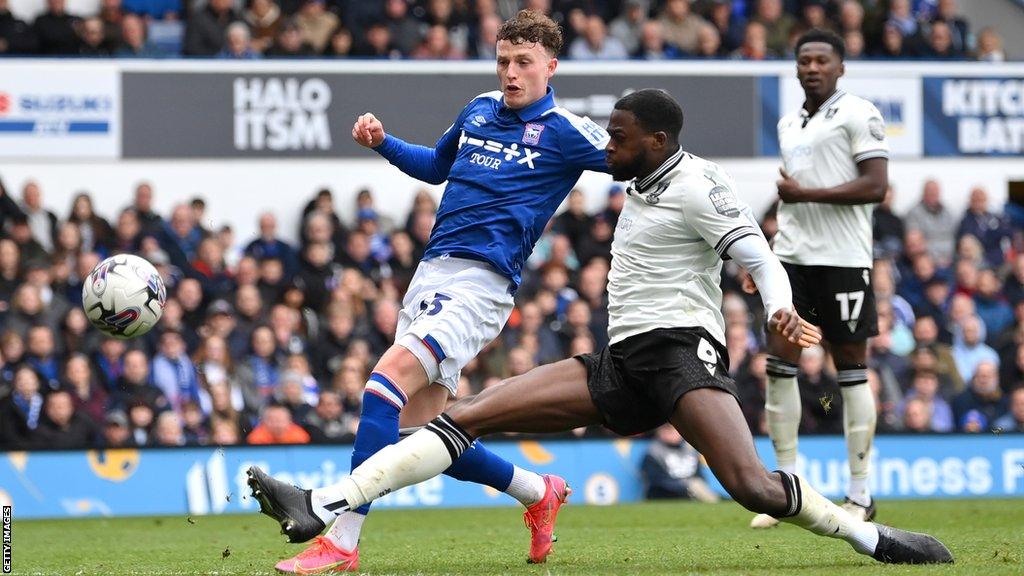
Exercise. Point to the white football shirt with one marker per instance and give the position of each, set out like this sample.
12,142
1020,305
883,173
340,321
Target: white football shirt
674,230
822,151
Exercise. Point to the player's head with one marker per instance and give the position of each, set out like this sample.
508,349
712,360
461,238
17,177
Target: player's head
527,46
643,131
819,62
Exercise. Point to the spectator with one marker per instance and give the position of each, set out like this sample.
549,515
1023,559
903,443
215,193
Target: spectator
917,418
887,228
1013,421
207,29
167,431
407,31
729,27
990,46
42,356
851,16
970,349
16,36
316,24
225,433
341,43
956,26
925,390
93,43
978,407
237,46
893,45
755,43
41,221
777,24
671,469
991,306
901,17
20,413
55,30
990,229
574,222
932,219
257,373
94,231
596,44
856,46
193,425
939,45
264,20
142,207
141,420
134,385
680,25
709,43
116,433
652,43
276,427
62,426
328,422
626,27
87,395
377,43
289,43
173,371
437,45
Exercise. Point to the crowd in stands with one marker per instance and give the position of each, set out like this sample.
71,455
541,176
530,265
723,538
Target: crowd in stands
264,341
467,29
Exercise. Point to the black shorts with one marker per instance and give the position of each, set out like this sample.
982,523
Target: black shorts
840,300
636,383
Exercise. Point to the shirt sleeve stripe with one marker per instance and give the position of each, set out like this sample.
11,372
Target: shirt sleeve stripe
731,236
871,154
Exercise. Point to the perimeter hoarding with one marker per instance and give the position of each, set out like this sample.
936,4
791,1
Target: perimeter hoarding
602,472
970,116
310,115
60,111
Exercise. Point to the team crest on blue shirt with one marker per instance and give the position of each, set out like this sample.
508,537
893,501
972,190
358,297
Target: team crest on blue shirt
532,134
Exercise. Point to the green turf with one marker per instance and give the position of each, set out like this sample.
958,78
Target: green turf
986,536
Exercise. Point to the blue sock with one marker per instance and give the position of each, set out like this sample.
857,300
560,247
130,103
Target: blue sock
378,422
480,465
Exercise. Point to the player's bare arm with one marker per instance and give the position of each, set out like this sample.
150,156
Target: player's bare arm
868,188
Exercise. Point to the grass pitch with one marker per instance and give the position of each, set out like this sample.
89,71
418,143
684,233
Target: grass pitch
986,536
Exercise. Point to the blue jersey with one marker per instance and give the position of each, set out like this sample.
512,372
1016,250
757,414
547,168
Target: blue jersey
507,171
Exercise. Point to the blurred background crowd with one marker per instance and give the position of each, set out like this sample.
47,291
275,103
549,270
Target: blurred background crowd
467,29
267,341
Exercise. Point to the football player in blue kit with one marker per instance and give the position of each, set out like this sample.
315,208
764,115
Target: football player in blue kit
510,158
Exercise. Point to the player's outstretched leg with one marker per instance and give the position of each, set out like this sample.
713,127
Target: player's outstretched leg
711,421
551,398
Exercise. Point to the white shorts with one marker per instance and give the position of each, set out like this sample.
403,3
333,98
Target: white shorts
454,307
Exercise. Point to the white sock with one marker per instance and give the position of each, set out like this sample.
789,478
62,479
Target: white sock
527,487
345,530
782,412
419,457
859,424
812,511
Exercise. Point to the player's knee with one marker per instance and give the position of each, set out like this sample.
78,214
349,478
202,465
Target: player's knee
404,369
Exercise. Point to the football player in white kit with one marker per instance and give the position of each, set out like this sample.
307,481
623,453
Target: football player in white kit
835,167
667,359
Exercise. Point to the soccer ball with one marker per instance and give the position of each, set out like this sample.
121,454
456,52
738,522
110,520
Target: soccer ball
124,296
